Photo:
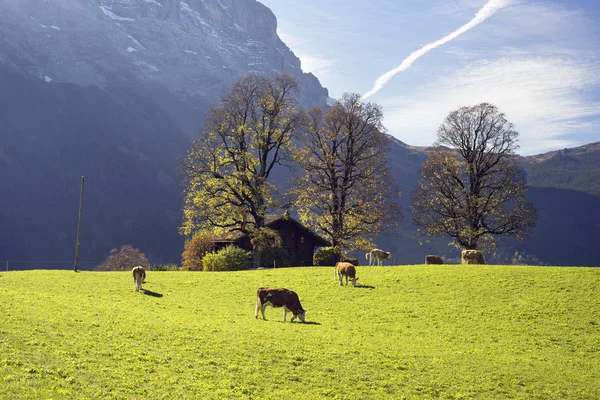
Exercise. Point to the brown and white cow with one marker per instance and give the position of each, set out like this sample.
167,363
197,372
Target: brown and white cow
279,297
345,269
139,275
377,255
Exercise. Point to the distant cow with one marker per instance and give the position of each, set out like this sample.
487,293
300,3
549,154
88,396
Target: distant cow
377,255
279,297
139,275
345,269
429,259
472,257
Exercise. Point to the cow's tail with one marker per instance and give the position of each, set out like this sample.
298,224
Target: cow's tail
368,257
258,304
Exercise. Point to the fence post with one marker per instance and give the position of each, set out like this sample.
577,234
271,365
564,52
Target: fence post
79,225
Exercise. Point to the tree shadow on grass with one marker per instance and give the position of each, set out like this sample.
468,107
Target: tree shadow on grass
151,293
359,286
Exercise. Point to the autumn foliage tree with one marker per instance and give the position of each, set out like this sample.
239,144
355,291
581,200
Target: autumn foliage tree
346,191
194,250
473,189
124,259
229,164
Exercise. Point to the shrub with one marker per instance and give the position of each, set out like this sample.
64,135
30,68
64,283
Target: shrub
164,267
324,256
230,258
194,249
279,255
214,262
353,261
124,259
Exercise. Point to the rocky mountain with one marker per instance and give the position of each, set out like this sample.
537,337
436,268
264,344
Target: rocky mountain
114,90
186,53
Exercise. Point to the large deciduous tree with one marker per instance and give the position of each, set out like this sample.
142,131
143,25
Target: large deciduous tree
228,165
346,192
473,189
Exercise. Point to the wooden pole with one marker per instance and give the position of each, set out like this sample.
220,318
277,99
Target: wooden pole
79,224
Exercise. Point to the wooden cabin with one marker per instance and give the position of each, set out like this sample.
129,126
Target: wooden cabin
299,241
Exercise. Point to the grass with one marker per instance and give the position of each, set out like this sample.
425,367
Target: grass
450,332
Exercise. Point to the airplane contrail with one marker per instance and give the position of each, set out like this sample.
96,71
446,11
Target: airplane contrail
486,11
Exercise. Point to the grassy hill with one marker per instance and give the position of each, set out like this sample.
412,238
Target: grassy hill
405,332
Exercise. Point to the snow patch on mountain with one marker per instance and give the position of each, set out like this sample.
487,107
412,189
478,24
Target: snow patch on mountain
136,42
145,64
114,16
154,2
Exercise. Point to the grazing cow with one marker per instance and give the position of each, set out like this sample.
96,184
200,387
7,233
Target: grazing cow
429,259
472,257
377,255
345,269
139,275
279,297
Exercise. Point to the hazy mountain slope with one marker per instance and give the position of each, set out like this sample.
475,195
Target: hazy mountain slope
114,90
52,134
563,185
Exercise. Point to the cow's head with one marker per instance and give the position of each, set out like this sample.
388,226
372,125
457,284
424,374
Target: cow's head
300,314
354,281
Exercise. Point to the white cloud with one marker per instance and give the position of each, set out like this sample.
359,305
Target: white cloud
484,13
546,98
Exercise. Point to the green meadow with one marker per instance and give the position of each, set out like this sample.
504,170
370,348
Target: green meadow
450,332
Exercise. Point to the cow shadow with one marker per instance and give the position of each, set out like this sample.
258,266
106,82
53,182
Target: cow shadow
310,323
359,286
151,293
298,322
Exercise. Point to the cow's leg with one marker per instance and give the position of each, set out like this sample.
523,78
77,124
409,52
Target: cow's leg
262,311
257,307
340,278
346,280
284,313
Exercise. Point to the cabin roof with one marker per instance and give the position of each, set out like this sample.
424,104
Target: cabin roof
270,220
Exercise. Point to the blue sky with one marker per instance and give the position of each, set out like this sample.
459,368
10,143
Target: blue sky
538,61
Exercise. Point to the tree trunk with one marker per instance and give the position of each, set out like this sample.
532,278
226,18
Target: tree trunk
256,257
